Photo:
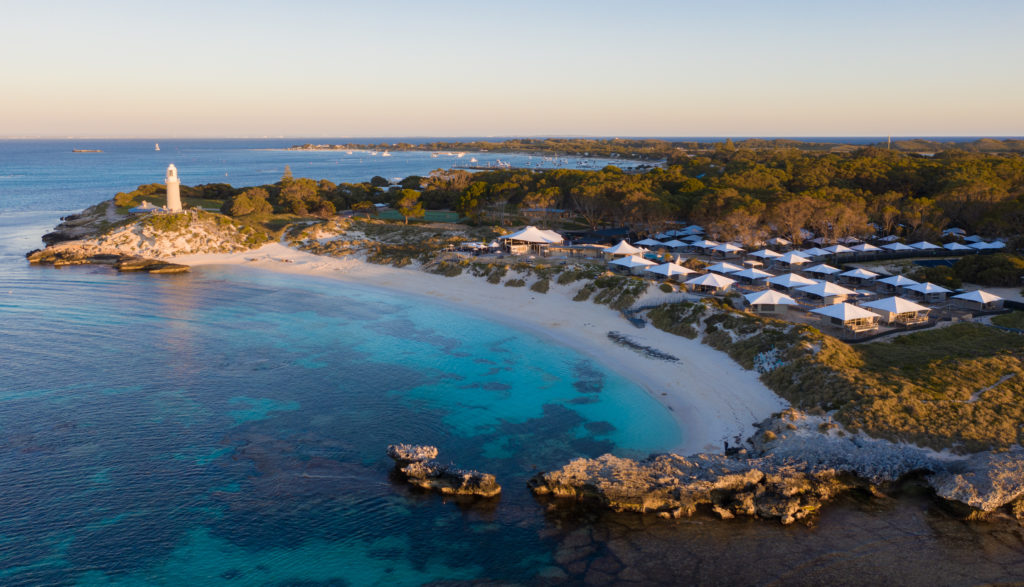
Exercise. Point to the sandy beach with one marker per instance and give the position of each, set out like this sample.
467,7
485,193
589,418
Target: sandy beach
713,399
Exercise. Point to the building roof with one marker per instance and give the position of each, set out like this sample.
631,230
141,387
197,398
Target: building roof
898,281
845,312
823,269
769,296
924,246
778,241
978,296
623,248
673,244
897,247
896,305
712,279
705,244
724,268
632,261
815,252
827,288
927,288
859,273
765,254
793,258
864,248
791,280
669,269
727,248
838,249
752,273
532,234
650,242
956,247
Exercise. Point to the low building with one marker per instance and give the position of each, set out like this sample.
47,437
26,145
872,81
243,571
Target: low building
849,318
789,282
896,310
530,240
709,283
633,264
769,302
858,276
827,292
893,284
978,301
928,291
669,271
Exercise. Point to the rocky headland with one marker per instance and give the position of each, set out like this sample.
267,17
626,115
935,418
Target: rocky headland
99,235
787,471
416,463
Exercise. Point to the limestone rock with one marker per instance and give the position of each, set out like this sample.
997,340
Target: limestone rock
411,453
450,480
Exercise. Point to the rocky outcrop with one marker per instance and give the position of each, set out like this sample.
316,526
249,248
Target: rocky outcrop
792,465
675,486
404,454
416,464
81,253
985,481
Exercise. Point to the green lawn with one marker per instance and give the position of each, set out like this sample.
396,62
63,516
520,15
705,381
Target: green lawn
1011,320
431,216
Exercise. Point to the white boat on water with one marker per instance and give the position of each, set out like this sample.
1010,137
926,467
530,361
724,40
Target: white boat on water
157,147
433,155
348,152
374,153
461,155
472,160
385,154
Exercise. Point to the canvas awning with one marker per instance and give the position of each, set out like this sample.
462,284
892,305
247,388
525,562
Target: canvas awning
623,248
532,234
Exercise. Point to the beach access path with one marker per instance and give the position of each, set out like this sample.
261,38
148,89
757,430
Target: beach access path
712,398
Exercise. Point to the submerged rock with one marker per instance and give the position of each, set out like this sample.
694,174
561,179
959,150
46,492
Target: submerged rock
416,464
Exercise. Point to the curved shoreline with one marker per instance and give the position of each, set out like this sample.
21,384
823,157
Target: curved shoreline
712,399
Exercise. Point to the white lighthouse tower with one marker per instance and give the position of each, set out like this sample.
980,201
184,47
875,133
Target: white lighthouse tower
173,189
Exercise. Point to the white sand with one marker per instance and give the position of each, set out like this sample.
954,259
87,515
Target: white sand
711,397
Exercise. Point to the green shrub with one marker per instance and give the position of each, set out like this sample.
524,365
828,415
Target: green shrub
584,293
1000,269
940,275
666,288
515,283
541,285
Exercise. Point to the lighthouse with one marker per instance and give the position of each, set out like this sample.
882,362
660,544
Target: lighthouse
173,189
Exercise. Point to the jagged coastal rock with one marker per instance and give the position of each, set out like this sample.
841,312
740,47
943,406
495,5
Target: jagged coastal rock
411,453
794,465
416,463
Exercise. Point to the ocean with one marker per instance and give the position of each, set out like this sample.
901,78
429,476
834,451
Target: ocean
228,426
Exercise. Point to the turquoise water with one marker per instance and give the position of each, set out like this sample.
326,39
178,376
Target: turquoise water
228,427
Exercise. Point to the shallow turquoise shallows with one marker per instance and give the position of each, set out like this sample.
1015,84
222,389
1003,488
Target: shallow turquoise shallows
230,424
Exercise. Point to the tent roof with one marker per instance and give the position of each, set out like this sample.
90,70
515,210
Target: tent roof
859,273
895,305
650,242
793,258
956,247
769,296
897,247
724,268
632,261
928,287
864,248
836,249
673,244
670,269
790,280
978,296
704,244
778,240
924,246
532,234
765,254
623,248
727,248
823,269
844,312
752,273
898,280
815,252
711,279
826,288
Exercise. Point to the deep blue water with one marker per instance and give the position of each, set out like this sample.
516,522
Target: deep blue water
228,426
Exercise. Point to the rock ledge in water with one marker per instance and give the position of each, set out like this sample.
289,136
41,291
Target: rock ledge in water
416,463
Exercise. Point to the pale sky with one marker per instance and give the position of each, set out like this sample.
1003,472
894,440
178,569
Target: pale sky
308,68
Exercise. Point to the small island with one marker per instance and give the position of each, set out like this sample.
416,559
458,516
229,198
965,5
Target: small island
850,309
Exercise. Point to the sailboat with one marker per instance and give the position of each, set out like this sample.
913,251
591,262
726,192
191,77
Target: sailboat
157,147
